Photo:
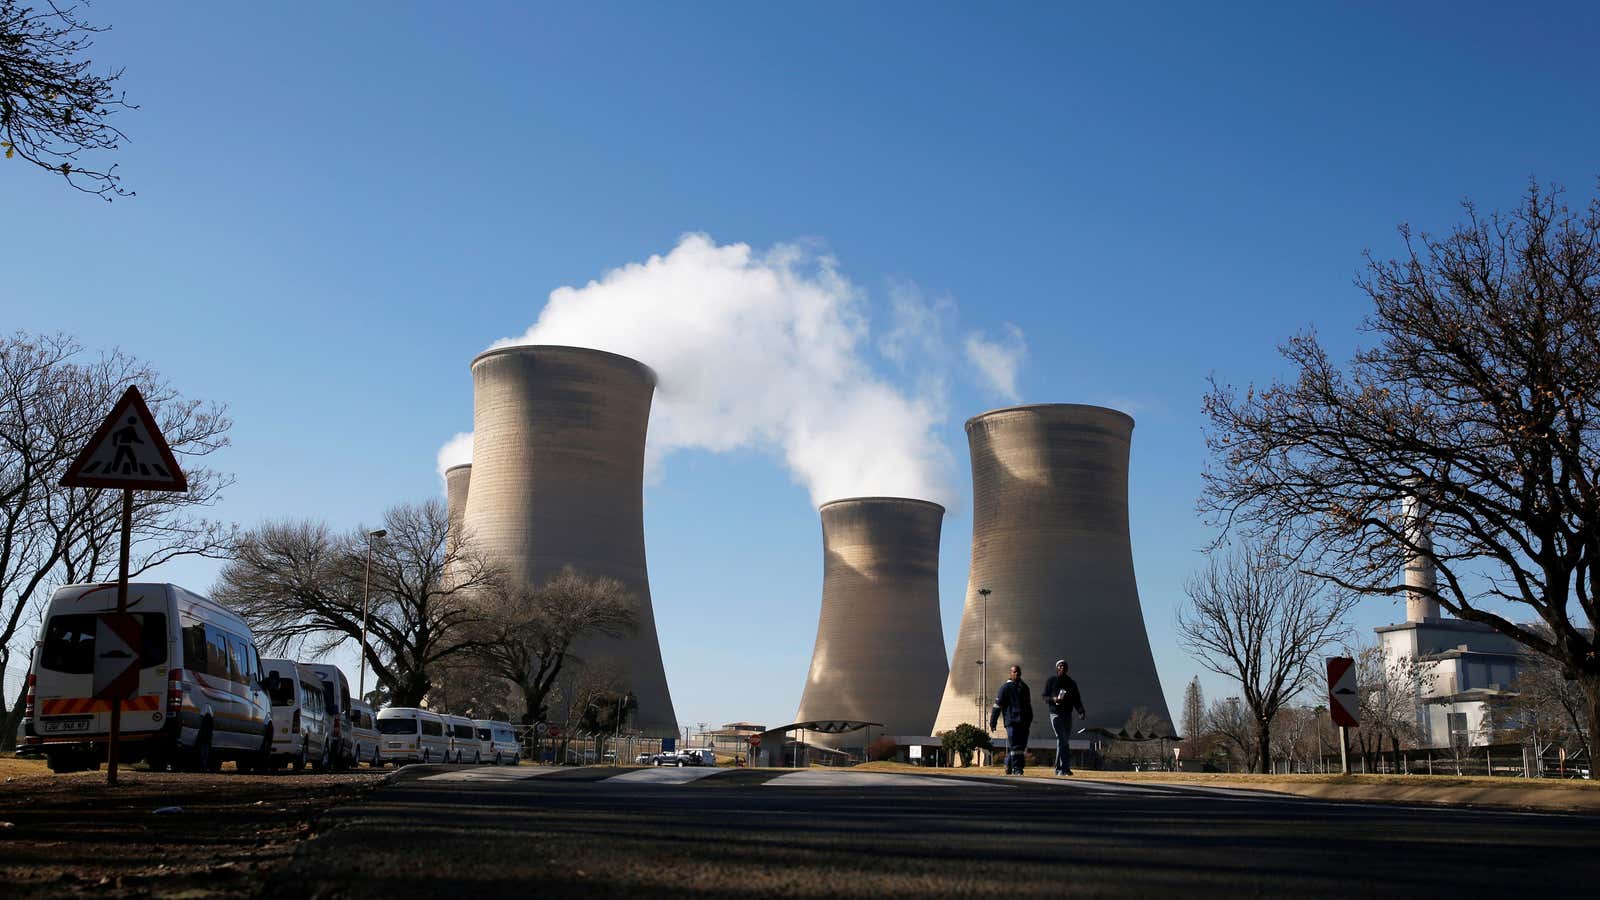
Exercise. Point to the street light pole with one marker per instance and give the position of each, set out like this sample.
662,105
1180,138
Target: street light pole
366,582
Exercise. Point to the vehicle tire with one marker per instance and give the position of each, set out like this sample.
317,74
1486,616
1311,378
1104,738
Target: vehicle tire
321,765
62,763
203,758
259,762
424,756
377,759
680,763
477,758
299,762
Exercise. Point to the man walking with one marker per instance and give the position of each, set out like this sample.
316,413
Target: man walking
1061,697
1014,704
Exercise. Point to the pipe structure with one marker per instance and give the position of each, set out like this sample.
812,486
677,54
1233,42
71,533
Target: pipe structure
1420,578
1050,543
558,480
879,655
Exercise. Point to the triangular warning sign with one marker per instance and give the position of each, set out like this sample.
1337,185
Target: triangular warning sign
127,451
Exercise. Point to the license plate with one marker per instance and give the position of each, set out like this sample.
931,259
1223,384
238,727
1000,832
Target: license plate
76,723
394,745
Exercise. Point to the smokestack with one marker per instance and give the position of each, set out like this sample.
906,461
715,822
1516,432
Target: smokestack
1050,542
457,480
879,655
558,480
1419,573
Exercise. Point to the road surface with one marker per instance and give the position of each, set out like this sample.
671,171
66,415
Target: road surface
443,832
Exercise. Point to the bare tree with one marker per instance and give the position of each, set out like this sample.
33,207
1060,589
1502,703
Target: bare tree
1251,617
53,108
1545,709
52,398
1482,398
529,636
1139,753
1389,692
300,582
1231,723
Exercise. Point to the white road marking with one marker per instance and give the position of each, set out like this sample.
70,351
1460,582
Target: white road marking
515,773
807,778
666,775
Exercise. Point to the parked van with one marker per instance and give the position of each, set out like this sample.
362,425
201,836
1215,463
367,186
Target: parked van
364,734
463,739
301,715
501,745
344,748
412,735
199,699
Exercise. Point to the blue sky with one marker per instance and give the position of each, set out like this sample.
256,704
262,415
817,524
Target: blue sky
339,205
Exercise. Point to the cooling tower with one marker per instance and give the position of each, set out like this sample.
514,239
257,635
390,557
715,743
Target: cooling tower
557,480
457,480
1050,543
879,655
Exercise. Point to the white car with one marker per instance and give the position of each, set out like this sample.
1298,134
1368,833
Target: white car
413,735
302,716
499,742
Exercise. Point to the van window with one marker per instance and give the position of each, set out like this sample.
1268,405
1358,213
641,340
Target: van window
282,691
429,726
311,695
237,671
194,647
483,734
216,653
397,726
68,644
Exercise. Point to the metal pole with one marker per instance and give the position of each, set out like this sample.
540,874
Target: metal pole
122,608
366,581
1344,750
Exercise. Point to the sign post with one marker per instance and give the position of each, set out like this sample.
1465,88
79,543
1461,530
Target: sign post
1343,701
127,452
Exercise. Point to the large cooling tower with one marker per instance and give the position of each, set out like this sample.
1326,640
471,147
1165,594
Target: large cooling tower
880,649
557,480
457,484
1050,543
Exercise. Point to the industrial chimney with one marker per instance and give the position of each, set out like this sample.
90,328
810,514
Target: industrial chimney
879,655
1050,544
457,480
1420,606
557,480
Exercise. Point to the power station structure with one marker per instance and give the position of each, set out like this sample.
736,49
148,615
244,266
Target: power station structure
457,484
557,479
879,655
1052,569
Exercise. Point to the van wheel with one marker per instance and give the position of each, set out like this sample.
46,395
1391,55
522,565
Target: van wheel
203,758
321,765
477,759
377,759
299,762
424,756
62,763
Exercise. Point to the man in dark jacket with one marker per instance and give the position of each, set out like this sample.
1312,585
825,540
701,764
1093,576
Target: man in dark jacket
1014,704
1061,697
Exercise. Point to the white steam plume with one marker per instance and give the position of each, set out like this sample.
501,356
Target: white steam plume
759,350
999,360
456,451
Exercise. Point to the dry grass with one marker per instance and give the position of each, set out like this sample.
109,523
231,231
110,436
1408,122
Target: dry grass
12,767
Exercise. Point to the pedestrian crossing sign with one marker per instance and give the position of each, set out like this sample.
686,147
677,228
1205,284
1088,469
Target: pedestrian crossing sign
128,451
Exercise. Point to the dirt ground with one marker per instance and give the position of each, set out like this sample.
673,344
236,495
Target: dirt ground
157,834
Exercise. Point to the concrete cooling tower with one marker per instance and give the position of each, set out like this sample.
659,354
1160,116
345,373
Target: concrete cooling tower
558,480
879,655
457,481
1050,543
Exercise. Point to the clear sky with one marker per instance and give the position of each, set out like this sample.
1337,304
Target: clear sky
339,205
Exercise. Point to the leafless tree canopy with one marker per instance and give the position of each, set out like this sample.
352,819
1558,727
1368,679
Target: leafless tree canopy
1481,397
300,584
53,107
1194,710
529,635
52,398
1250,616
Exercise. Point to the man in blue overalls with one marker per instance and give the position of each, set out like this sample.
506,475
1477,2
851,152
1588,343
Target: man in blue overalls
1014,704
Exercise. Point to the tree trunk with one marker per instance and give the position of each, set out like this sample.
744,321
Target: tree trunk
1591,692
1263,746
9,722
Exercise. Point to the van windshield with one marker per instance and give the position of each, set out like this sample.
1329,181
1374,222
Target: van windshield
397,726
69,640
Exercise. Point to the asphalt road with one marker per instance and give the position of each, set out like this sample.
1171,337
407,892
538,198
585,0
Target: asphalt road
588,832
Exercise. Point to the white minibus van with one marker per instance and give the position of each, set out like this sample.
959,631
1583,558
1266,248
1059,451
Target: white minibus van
412,735
503,747
199,697
302,719
364,735
463,739
344,749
